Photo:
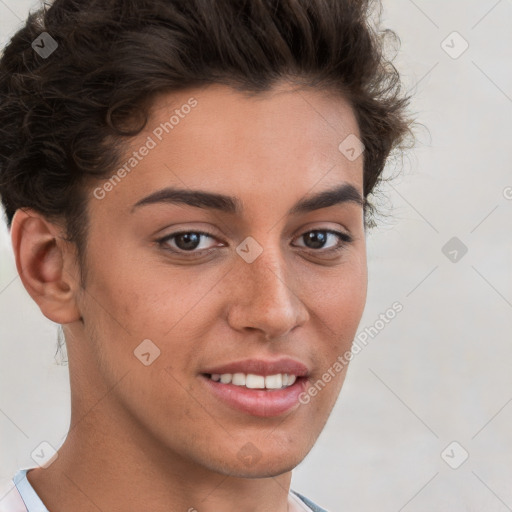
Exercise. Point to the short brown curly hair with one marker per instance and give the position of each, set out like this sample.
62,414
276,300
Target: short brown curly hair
64,118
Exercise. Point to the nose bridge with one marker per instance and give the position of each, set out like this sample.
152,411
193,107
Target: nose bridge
268,277
266,299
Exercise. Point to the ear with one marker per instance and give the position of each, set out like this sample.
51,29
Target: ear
46,265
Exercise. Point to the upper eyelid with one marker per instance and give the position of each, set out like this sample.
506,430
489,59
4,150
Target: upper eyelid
170,236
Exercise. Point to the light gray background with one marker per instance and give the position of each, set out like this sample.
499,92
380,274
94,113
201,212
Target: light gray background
440,371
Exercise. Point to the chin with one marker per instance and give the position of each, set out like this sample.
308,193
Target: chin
260,470
260,465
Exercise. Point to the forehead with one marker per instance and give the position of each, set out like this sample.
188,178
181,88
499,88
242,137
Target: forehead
285,140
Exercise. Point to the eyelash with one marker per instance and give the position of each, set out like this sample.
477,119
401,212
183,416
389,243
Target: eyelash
343,240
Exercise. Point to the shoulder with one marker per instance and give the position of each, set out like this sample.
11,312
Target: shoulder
313,506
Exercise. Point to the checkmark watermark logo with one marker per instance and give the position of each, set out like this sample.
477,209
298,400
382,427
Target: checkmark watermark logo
146,352
455,455
44,454
454,45
351,147
44,45
455,249
249,249
249,454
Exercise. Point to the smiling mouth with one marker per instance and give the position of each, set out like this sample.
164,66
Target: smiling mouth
253,381
255,394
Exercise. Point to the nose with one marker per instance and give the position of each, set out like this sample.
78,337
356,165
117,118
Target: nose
265,298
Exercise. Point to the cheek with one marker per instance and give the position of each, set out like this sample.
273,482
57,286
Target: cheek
131,299
164,308
340,301
345,305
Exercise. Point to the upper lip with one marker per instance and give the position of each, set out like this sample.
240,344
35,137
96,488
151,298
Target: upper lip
262,367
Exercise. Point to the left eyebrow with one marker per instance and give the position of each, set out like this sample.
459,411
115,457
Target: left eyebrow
345,193
229,204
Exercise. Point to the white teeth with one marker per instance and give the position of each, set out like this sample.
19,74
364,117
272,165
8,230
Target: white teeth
225,378
252,381
274,381
238,379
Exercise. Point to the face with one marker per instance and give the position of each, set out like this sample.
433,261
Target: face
188,297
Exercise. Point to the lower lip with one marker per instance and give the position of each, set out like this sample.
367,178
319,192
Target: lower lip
258,402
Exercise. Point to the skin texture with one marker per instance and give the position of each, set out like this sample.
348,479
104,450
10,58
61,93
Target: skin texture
142,437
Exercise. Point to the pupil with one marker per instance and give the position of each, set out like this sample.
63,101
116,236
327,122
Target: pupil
317,237
191,240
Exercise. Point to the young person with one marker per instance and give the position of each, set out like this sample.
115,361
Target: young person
187,186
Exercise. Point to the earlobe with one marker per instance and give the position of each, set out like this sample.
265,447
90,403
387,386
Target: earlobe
43,263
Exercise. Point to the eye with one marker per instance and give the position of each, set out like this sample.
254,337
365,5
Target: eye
189,242
318,238
186,242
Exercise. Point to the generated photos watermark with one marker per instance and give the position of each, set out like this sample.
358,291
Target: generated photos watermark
360,341
151,142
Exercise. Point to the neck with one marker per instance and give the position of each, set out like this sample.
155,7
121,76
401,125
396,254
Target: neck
100,467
